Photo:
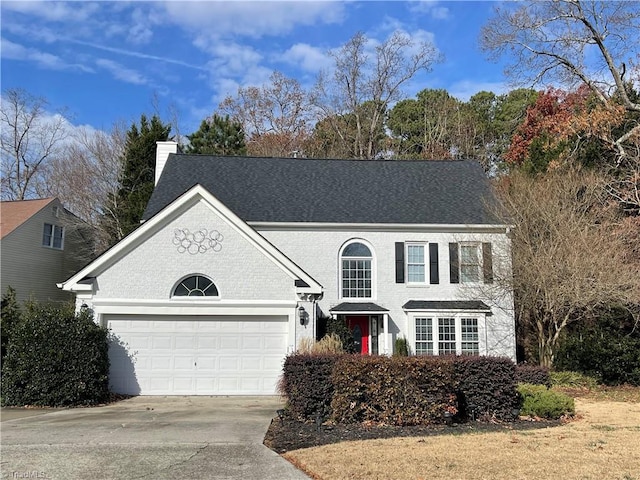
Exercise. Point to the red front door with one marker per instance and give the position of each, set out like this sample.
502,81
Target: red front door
359,326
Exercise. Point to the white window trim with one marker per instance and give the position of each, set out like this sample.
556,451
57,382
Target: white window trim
478,246
458,316
425,263
373,270
194,298
53,236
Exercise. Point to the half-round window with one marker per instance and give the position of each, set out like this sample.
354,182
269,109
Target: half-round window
195,286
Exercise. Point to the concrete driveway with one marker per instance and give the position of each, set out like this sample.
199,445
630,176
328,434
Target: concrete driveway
147,437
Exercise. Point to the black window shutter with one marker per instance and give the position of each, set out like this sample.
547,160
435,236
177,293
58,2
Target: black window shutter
454,266
434,276
399,262
487,263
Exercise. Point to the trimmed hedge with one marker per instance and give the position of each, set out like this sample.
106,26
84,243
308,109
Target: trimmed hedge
533,374
488,384
56,358
539,401
306,382
396,390
399,390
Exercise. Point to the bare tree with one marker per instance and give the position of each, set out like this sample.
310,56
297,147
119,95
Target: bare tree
31,139
569,257
377,80
85,177
275,116
573,42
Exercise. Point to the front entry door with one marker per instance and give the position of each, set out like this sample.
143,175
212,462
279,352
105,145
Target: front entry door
359,326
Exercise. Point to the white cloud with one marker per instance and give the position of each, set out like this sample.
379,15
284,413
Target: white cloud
465,89
121,72
54,11
431,8
15,51
253,19
307,57
232,59
139,33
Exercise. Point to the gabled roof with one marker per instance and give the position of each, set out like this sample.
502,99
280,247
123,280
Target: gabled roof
83,281
15,213
333,191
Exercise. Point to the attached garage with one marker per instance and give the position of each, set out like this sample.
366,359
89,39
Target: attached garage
196,355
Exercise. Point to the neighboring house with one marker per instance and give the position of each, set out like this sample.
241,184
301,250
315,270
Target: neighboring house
239,257
38,249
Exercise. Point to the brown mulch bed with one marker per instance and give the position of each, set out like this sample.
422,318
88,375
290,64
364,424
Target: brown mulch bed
289,434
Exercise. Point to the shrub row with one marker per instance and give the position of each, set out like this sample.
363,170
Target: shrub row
398,390
487,387
533,374
306,383
55,357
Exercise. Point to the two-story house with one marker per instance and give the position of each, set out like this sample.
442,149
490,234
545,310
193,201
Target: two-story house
239,257
40,246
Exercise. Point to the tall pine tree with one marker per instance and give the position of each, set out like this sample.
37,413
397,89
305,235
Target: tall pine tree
137,179
218,136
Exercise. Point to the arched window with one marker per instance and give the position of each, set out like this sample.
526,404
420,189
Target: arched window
195,286
356,271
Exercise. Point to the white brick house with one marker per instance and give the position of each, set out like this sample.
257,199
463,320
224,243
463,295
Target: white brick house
239,257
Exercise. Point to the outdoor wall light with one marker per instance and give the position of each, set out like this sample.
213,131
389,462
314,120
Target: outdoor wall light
302,313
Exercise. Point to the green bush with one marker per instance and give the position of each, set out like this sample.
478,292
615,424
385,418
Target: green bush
395,391
486,387
56,358
306,383
401,347
539,401
339,327
533,374
9,317
608,349
572,380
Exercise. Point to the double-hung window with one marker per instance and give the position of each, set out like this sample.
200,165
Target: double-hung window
424,336
446,335
53,236
470,263
469,336
416,263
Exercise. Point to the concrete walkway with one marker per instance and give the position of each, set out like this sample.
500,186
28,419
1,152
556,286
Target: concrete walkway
146,437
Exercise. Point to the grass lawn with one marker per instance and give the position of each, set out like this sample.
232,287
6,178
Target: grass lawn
602,442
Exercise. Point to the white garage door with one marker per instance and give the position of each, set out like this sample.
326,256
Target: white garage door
169,355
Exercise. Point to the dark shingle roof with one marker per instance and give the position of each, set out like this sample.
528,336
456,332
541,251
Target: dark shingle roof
445,305
332,191
347,307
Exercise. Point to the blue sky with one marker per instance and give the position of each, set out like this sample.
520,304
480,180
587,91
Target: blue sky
112,61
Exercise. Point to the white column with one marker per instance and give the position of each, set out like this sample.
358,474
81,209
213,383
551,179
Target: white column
385,327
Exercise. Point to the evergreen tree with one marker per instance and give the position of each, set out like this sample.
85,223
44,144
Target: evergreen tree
218,136
137,179
9,317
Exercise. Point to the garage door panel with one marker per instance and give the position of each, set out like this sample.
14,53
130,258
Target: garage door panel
229,342
196,355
